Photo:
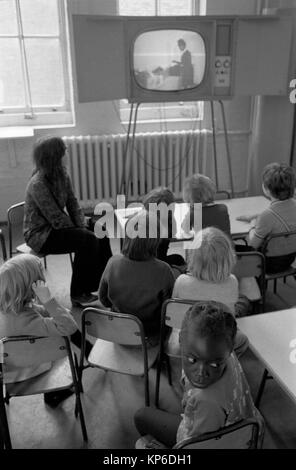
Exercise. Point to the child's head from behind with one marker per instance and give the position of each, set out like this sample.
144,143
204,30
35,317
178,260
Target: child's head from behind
214,258
141,240
207,339
162,200
16,278
278,180
199,188
158,195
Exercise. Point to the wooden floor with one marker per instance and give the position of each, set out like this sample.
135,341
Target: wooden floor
110,400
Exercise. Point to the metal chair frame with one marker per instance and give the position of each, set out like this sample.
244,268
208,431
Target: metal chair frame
111,315
4,429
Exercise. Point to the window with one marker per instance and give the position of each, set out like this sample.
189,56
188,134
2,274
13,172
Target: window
164,112
34,63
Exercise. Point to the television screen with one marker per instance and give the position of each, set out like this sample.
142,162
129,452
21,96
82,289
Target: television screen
169,59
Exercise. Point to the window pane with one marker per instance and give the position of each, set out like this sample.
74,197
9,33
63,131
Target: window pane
175,7
8,24
40,17
45,71
11,76
137,7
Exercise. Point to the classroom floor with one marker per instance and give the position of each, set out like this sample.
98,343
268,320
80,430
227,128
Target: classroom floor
110,400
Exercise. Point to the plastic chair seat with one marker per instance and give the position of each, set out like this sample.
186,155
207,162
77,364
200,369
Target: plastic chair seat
58,378
115,357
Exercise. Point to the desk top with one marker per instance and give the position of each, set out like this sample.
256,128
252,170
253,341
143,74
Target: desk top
236,207
272,338
180,212
244,206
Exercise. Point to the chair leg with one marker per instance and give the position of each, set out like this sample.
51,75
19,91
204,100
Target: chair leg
7,398
4,429
158,372
261,388
78,409
45,262
79,376
169,369
274,286
147,398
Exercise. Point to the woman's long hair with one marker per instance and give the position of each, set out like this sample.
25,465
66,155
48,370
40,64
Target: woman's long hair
47,156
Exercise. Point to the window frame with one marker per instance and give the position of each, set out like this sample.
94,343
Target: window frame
43,116
147,112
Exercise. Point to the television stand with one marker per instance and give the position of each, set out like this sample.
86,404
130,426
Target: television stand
130,148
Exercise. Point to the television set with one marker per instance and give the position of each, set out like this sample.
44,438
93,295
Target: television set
184,58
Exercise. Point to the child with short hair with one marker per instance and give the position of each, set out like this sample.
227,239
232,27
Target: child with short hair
216,392
278,184
199,188
135,281
22,282
158,196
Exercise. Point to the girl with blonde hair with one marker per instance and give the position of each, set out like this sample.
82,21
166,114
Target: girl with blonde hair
210,275
28,308
209,270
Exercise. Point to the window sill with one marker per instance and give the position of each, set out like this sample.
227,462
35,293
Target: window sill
16,132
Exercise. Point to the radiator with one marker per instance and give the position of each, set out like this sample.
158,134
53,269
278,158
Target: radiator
159,159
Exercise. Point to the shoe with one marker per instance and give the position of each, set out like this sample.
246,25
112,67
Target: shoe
53,399
149,442
84,300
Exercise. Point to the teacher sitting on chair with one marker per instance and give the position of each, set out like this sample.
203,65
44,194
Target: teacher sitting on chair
49,229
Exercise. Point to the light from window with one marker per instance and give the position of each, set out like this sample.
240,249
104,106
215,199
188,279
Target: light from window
33,61
156,7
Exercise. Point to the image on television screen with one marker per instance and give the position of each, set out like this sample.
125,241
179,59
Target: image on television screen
169,59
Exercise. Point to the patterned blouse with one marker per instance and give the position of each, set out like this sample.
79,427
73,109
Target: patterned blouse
223,403
42,213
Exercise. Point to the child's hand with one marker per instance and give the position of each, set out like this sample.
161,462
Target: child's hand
247,218
41,291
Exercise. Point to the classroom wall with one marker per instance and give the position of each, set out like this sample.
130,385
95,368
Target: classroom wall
101,118
274,117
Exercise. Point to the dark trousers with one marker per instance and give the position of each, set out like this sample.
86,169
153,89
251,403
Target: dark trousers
160,424
91,256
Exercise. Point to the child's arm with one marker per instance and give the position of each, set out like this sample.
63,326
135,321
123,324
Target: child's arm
200,416
260,230
59,323
248,218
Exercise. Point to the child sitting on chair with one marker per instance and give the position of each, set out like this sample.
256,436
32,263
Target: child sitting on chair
199,188
158,196
135,281
278,184
210,276
22,283
216,392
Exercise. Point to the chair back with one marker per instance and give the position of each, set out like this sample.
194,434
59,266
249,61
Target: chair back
3,246
173,311
118,328
241,435
15,216
280,244
249,264
220,195
30,351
